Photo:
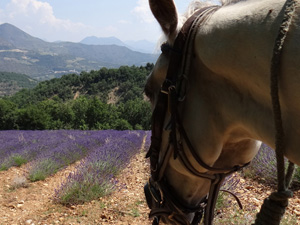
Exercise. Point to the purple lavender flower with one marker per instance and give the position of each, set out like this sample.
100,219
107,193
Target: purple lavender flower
263,165
92,178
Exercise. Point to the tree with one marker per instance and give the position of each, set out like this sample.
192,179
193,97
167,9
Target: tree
121,124
79,108
33,118
51,104
137,112
100,115
61,114
7,115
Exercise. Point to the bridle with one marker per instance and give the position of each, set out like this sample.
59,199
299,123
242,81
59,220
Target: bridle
164,203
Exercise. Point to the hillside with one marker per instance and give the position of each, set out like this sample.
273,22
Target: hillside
122,84
99,99
22,53
11,83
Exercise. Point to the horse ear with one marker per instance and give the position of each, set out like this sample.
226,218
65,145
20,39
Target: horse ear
166,14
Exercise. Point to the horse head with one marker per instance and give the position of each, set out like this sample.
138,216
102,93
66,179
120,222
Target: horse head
192,150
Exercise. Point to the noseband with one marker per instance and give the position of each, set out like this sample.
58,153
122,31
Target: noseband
165,205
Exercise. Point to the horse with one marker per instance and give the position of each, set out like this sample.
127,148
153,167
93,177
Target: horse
223,107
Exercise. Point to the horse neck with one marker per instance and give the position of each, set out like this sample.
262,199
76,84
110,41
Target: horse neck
231,74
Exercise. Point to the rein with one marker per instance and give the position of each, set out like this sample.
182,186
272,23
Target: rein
167,204
274,206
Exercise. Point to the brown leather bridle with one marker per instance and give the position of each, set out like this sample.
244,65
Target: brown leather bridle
161,199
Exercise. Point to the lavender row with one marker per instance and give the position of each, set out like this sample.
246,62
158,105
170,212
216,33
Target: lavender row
60,147
66,153
264,166
25,145
93,178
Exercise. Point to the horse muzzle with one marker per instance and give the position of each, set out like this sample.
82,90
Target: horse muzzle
153,196
166,210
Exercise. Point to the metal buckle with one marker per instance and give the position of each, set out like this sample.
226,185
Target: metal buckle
165,87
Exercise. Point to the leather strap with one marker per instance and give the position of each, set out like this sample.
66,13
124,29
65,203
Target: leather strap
160,110
168,99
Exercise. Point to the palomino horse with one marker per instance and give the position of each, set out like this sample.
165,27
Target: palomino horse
223,108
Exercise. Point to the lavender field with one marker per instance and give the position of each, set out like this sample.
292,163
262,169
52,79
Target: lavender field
102,154
100,157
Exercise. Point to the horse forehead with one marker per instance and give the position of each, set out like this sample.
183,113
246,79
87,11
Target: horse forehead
159,72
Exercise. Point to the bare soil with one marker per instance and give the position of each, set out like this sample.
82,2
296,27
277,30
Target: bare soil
32,202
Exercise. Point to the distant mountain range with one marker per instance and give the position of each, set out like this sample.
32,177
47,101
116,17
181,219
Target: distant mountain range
23,53
141,46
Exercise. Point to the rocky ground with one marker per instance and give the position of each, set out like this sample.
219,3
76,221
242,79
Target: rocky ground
30,203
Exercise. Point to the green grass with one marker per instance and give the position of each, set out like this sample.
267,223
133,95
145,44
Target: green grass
84,213
37,176
85,190
3,167
19,160
135,212
43,170
13,160
238,217
297,174
102,205
138,202
221,201
78,193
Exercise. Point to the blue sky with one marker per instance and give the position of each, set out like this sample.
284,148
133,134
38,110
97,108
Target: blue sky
73,20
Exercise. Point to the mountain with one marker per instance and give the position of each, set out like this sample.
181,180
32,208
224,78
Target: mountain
102,41
14,37
140,46
23,53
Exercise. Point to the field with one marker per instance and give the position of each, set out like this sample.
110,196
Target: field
97,177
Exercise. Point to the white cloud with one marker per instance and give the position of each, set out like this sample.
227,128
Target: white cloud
1,13
124,22
111,29
142,10
38,19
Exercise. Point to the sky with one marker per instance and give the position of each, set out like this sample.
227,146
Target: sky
73,20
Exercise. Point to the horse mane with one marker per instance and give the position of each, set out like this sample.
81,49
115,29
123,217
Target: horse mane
194,6
198,4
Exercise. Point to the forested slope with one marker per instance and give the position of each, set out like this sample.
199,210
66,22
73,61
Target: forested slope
102,99
10,83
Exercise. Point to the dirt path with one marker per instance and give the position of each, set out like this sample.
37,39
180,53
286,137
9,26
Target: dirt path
32,205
